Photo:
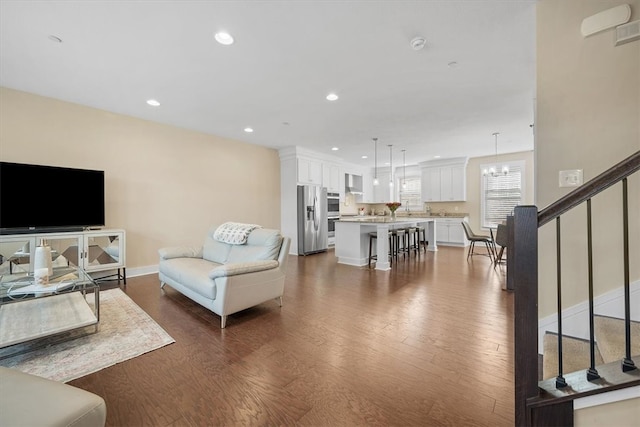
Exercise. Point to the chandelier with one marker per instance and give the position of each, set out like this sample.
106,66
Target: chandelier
493,170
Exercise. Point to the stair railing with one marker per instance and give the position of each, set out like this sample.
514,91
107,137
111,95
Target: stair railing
533,405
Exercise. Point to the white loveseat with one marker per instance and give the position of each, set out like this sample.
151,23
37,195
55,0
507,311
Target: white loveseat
227,278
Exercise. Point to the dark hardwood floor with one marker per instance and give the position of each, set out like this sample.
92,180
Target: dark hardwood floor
428,343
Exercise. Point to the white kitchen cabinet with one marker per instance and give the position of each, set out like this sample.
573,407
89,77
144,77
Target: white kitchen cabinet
382,192
449,232
442,231
331,173
453,183
430,185
367,188
309,171
444,180
92,250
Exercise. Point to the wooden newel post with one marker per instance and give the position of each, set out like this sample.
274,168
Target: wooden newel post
525,281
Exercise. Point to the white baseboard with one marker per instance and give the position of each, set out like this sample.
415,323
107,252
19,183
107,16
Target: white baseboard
575,319
142,271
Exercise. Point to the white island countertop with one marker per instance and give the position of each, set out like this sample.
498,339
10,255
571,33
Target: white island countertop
352,237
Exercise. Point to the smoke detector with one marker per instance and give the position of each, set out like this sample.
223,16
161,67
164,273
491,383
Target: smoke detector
418,43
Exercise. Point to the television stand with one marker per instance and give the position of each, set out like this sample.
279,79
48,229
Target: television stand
92,250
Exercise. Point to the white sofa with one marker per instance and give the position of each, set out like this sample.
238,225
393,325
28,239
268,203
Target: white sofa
227,278
28,400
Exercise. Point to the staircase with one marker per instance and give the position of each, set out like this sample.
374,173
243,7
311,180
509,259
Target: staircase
610,337
600,366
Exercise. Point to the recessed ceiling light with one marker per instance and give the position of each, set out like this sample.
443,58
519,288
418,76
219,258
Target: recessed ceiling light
286,123
224,38
436,157
332,97
365,157
55,38
153,102
452,64
334,148
248,130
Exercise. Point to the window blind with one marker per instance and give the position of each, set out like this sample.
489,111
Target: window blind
411,196
501,194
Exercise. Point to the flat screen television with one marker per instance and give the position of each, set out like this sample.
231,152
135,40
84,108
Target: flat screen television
37,198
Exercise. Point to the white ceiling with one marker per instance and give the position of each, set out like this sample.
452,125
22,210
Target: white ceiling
287,57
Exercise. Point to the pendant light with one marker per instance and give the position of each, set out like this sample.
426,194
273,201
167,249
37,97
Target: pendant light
492,171
404,170
391,165
375,161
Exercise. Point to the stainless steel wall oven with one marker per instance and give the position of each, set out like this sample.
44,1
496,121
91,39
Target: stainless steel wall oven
333,214
333,204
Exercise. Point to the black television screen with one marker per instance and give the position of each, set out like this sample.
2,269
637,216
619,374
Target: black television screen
49,198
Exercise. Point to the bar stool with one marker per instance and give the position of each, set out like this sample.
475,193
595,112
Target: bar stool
374,235
422,237
413,240
401,242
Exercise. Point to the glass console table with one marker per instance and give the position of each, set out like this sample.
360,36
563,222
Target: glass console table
31,312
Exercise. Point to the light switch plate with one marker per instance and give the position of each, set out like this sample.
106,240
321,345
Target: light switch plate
570,178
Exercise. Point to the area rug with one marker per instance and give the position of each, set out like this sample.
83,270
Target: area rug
125,332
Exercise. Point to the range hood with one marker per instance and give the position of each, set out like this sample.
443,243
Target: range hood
353,183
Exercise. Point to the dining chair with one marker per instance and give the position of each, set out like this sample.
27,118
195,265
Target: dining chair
474,238
501,240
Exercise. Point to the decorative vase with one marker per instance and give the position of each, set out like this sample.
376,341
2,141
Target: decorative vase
42,265
393,215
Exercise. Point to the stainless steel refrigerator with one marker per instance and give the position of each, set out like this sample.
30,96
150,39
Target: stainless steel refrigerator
312,219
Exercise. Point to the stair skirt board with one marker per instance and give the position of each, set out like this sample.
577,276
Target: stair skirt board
575,355
609,334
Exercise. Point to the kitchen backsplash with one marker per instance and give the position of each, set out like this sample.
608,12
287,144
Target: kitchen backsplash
351,207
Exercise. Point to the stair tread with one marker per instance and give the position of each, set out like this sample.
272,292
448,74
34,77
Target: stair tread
610,336
575,355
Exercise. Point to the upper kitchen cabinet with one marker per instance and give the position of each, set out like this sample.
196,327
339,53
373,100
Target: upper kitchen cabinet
444,180
332,178
309,171
430,185
383,192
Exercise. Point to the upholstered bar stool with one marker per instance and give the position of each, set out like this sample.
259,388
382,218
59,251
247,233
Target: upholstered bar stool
373,236
422,237
413,240
400,238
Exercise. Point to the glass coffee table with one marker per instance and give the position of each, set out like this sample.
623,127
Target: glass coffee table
41,314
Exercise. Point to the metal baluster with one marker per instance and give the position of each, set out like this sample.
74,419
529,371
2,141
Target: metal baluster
592,373
627,362
560,381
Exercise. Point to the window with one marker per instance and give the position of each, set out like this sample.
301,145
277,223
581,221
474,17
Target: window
410,196
502,193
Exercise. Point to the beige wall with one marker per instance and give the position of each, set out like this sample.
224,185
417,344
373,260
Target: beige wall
588,104
164,185
624,413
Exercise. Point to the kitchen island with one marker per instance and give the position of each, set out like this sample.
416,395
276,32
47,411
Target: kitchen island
352,238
